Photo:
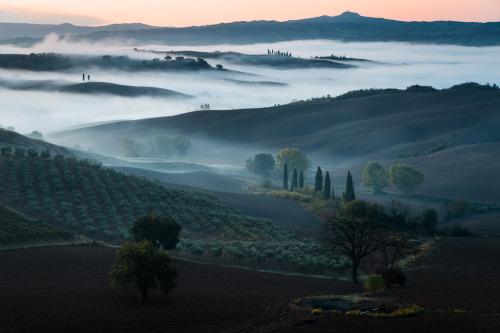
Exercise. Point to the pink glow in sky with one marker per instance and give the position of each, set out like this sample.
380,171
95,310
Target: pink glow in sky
201,12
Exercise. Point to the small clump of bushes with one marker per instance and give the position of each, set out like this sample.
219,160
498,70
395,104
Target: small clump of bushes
355,306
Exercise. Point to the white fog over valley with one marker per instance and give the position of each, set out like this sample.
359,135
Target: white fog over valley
395,65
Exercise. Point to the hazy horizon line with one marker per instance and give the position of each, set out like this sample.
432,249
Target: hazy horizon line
237,21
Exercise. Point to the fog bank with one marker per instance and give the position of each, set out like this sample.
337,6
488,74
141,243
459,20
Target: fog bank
398,65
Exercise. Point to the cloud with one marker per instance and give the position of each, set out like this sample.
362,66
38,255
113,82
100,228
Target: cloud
27,15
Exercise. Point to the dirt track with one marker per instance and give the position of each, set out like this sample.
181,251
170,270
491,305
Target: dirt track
65,289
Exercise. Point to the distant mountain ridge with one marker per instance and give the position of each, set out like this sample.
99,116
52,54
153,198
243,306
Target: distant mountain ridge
28,30
347,27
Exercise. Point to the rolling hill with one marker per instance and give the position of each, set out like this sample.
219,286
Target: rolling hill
336,132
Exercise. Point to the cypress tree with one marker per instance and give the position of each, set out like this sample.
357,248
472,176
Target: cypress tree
301,180
294,180
318,182
285,177
327,186
349,188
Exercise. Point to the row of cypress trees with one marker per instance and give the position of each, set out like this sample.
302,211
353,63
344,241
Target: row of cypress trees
298,183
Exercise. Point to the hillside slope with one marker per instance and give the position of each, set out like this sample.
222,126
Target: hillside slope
15,227
102,203
14,139
468,172
339,132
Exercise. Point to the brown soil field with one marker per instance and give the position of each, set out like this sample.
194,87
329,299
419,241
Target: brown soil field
66,289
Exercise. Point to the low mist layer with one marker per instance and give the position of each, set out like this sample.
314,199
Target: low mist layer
238,85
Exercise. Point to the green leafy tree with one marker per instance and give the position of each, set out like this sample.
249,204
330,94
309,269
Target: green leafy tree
301,179
405,178
262,164
349,188
327,186
293,158
294,180
161,231
374,284
285,177
353,232
428,219
35,135
144,266
6,151
375,176
161,145
130,147
181,145
45,154
32,152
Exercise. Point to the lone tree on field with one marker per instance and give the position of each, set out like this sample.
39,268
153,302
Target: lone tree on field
375,176
262,164
285,177
294,180
353,232
405,178
349,188
163,232
318,181
144,266
301,179
327,186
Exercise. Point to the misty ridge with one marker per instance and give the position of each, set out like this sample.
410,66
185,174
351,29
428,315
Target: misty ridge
111,97
247,77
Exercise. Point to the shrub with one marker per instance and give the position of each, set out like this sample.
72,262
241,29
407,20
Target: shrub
317,311
393,276
459,231
429,220
407,311
354,313
266,184
374,284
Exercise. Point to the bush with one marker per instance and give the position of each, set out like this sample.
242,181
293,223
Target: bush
374,284
458,231
393,276
429,220
317,311
266,184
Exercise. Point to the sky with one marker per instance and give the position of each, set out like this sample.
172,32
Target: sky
202,12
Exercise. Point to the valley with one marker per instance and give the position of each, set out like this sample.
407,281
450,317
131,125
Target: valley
255,139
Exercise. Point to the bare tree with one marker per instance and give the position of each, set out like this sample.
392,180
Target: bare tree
353,232
394,247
